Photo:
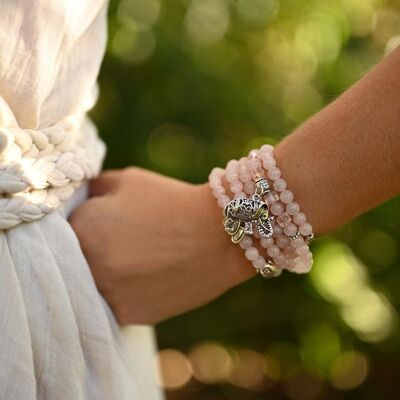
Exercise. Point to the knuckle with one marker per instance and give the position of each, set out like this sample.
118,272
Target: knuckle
122,315
131,171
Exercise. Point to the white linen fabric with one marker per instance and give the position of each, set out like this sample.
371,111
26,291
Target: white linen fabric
58,338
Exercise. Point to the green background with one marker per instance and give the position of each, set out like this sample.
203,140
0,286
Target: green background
189,84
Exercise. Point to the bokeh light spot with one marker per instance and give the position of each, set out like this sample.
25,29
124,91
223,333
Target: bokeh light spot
257,12
349,370
249,371
207,21
287,358
386,24
291,63
139,13
133,46
371,315
322,33
304,386
379,248
320,344
392,44
211,362
174,370
361,13
341,278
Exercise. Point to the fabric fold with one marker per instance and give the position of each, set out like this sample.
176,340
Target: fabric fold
58,338
15,343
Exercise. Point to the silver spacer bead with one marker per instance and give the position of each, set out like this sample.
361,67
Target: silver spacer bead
262,185
268,271
310,238
256,196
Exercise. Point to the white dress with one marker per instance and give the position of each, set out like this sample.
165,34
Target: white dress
58,338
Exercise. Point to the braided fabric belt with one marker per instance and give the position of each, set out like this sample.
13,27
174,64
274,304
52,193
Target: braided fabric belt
41,168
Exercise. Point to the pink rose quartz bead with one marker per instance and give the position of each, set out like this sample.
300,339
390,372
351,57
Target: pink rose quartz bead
253,154
215,176
289,251
254,165
307,263
286,197
232,164
246,178
277,230
249,187
282,241
223,201
232,171
246,242
232,176
279,260
253,160
240,195
267,148
293,208
305,229
215,181
309,260
274,173
266,242
265,155
296,242
273,251
244,172
302,267
299,218
218,192
280,185
271,198
302,250
290,230
217,172
307,255
277,208
269,163
236,187
259,262
251,253
290,265
284,219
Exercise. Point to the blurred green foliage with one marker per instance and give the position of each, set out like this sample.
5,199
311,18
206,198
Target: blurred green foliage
189,84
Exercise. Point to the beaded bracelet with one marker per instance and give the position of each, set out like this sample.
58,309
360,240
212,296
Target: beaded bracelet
258,191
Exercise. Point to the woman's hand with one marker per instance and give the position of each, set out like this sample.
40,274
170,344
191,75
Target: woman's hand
155,245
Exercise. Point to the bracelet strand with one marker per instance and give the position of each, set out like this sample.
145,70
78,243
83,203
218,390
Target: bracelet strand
258,190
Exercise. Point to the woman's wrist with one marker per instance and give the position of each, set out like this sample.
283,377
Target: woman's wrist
219,247
300,173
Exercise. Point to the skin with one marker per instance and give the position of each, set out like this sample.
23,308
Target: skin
151,263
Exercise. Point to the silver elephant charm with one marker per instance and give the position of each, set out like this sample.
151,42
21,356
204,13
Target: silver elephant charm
243,216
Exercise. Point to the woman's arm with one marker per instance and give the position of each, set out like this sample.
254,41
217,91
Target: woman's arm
346,159
156,246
